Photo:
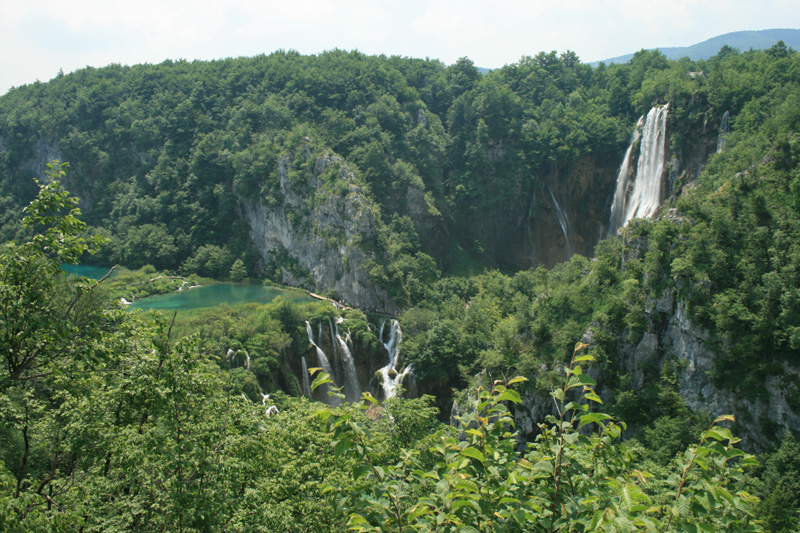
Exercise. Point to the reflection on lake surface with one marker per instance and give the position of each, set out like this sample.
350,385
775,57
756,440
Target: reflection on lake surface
219,293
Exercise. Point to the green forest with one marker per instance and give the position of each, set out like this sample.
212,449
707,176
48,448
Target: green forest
559,380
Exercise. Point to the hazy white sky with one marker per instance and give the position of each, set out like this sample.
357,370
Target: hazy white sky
39,37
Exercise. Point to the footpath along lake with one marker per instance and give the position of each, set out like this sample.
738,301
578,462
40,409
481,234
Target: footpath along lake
204,296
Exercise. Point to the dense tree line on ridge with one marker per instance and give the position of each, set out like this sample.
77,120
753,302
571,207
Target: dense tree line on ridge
80,437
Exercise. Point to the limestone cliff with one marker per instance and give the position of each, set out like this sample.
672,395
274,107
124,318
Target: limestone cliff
318,227
567,211
673,340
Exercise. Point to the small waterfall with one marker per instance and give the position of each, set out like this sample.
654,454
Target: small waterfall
528,232
563,221
343,354
326,366
389,384
233,359
306,380
639,196
724,129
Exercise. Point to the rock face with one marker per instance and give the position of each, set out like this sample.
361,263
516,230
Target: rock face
566,211
672,338
318,226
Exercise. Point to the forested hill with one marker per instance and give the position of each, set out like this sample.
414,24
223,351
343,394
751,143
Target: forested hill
408,187
447,170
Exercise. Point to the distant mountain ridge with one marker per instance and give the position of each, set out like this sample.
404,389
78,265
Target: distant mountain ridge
742,40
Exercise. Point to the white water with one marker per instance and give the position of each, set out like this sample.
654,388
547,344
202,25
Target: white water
724,129
640,196
528,232
326,366
233,360
306,380
623,180
342,353
563,221
390,384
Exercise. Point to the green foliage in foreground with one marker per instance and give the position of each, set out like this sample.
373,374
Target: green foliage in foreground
108,423
577,476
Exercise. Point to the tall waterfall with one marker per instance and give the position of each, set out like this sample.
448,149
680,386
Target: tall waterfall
389,382
342,353
563,221
639,196
724,129
325,364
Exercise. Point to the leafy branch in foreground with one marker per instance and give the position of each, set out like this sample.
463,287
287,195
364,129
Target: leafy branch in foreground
577,476
45,321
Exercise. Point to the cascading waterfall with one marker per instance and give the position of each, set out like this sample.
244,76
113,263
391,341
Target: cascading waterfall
563,221
233,359
724,129
639,196
306,380
623,181
343,353
389,384
326,366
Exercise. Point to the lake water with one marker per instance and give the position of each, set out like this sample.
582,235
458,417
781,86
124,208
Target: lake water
89,271
205,296
219,293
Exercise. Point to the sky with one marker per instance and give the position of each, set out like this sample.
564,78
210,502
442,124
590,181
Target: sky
39,37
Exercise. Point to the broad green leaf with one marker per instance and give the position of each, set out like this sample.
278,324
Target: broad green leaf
360,470
590,418
467,485
321,379
473,453
356,519
510,396
341,446
368,397
592,396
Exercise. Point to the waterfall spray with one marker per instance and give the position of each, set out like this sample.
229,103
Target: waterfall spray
563,221
389,383
639,196
343,353
326,366
724,129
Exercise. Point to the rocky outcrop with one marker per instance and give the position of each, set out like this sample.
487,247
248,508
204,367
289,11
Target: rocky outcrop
673,339
319,226
581,190
44,152
686,345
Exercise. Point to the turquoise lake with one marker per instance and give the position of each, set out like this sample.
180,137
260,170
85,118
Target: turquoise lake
89,271
219,293
205,296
